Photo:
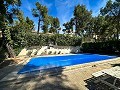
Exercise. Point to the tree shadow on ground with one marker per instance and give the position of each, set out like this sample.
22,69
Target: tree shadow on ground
7,67
52,79
6,63
113,65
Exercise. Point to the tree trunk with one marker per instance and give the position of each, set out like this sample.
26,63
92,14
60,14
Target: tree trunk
8,47
117,30
10,50
38,25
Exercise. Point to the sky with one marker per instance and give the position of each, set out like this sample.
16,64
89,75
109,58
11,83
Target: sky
63,9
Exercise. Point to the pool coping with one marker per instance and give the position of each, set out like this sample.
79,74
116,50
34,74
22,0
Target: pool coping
90,63
65,68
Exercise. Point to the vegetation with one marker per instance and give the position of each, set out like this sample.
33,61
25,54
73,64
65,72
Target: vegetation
20,30
17,30
107,47
105,26
41,13
55,39
112,14
81,20
68,27
44,20
54,25
6,19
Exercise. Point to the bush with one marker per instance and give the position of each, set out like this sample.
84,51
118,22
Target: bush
66,40
108,47
45,40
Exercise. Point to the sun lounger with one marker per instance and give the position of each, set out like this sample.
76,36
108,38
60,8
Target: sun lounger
107,73
98,74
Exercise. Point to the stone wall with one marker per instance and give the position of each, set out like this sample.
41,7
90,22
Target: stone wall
39,50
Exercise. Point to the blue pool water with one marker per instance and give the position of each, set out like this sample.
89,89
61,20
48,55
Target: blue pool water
42,63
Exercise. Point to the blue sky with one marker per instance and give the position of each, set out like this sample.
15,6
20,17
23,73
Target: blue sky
63,9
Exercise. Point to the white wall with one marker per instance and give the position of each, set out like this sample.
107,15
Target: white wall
55,49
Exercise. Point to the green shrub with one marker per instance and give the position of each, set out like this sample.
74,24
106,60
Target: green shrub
17,50
45,40
108,47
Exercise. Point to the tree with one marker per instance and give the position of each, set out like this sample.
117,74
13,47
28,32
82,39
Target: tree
45,28
81,18
21,28
100,27
54,24
30,23
8,9
68,27
89,30
41,13
112,13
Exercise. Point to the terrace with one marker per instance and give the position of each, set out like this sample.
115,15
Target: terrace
78,77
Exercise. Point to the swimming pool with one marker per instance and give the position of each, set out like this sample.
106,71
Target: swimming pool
43,63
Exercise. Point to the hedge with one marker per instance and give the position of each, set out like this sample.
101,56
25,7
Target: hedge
32,39
108,47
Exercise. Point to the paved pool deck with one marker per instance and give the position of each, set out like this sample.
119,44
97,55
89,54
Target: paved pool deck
68,78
